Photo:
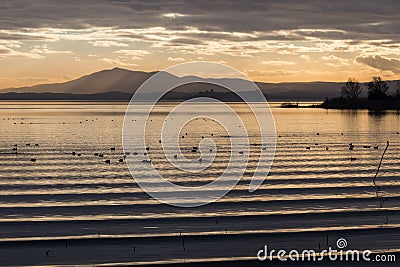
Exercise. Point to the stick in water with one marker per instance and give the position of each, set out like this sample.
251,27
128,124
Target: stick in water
380,163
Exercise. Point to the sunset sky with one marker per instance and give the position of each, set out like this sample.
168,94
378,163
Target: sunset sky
271,41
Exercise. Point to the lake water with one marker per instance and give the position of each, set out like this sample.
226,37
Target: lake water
70,209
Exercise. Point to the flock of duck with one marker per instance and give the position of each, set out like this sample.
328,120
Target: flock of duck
350,145
194,149
73,153
101,155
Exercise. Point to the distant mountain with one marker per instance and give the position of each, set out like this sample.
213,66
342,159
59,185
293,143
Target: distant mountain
127,81
116,79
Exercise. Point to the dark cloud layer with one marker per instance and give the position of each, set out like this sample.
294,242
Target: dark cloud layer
4,51
16,37
361,18
381,63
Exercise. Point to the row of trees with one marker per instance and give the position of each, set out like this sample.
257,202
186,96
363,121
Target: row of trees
377,89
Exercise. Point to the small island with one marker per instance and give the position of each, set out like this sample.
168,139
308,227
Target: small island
378,97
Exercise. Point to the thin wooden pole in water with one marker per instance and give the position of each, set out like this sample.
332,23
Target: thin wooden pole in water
380,163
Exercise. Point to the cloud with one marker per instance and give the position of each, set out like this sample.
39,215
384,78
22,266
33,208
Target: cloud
13,36
173,15
13,44
37,52
305,57
329,58
239,28
77,59
381,63
330,64
118,62
334,61
133,53
335,20
324,33
5,50
44,49
278,63
176,59
186,41
263,74
108,44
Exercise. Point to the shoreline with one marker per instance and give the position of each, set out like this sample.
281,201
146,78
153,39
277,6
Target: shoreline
320,106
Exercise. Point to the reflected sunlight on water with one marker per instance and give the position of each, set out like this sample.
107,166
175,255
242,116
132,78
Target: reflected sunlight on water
70,191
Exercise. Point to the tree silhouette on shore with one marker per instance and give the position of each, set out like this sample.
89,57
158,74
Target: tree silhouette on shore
378,98
377,89
352,89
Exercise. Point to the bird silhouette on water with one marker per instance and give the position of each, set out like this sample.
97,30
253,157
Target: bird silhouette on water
15,148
